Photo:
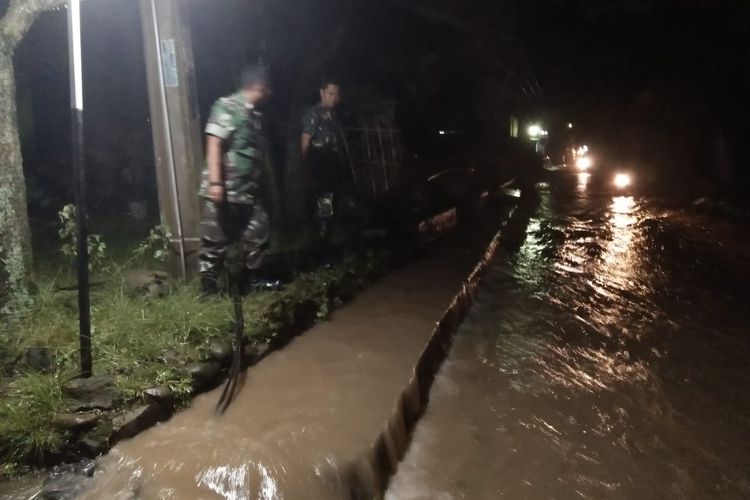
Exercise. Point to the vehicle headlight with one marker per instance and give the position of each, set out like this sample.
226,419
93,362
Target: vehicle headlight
622,180
583,162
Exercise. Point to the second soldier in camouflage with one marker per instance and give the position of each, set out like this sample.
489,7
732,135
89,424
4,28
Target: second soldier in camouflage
321,147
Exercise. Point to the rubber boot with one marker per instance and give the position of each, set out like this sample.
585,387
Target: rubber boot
251,282
244,280
209,286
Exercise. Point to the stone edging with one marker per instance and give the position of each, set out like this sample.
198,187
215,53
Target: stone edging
368,477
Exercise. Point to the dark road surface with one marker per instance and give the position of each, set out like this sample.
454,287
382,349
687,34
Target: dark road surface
608,357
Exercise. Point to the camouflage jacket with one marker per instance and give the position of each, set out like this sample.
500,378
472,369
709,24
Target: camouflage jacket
240,126
324,128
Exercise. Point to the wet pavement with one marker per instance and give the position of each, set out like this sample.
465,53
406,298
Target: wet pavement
607,357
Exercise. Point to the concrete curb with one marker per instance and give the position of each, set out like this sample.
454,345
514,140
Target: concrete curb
368,477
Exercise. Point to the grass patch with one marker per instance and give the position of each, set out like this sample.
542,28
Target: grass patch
142,342
29,403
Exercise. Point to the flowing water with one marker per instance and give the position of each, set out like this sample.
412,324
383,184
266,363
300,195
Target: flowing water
305,418
607,357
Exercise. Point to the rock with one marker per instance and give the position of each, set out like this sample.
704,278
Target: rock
38,359
146,283
204,375
96,441
138,420
221,352
87,467
103,404
91,446
62,487
84,388
75,421
94,393
161,394
67,481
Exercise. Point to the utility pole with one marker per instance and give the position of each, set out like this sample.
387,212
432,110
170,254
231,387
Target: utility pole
79,167
175,126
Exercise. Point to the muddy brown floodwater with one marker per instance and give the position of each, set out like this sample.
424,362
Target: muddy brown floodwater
607,358
306,413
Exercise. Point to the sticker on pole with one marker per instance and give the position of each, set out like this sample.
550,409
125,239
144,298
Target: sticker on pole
169,63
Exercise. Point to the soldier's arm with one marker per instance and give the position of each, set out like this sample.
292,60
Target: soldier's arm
219,128
306,139
213,157
309,124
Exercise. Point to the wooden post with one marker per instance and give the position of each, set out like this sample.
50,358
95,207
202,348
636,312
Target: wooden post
175,126
350,160
382,159
370,170
396,167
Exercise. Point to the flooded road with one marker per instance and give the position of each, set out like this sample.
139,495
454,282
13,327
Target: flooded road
305,419
607,357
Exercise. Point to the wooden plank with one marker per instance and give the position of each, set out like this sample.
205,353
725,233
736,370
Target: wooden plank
175,124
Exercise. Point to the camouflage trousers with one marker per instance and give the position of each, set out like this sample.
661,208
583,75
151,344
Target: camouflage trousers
223,225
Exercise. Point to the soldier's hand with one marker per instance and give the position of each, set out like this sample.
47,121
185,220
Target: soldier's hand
216,193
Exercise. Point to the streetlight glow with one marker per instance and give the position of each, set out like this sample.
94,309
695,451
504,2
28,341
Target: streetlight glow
535,130
76,59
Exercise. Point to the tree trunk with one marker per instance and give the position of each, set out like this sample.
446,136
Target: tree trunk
15,235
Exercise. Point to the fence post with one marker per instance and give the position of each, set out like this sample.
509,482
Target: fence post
349,157
79,167
382,158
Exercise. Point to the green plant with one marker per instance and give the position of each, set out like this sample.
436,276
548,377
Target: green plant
155,245
67,234
9,470
323,311
178,381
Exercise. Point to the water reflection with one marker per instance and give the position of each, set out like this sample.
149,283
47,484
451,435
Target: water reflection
575,372
623,208
583,181
236,483
228,482
620,256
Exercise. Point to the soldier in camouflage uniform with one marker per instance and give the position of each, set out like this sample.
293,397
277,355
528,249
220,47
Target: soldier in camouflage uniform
322,144
232,210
